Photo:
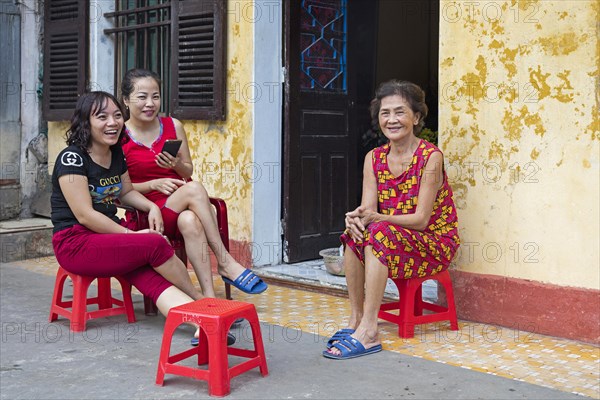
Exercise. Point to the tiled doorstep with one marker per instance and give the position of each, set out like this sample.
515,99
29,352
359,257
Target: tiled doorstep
314,273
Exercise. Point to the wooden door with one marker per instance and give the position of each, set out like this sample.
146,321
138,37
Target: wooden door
320,179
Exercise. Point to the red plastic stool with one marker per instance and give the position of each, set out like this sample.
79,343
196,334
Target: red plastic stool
78,313
411,305
214,316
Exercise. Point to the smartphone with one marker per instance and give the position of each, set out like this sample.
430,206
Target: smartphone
172,147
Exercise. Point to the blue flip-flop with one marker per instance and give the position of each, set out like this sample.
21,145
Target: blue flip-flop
248,282
341,334
230,340
351,348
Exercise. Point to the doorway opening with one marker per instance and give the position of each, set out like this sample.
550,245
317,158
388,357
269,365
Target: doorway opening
326,134
400,41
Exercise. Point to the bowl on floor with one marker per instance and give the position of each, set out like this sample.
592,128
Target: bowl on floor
334,263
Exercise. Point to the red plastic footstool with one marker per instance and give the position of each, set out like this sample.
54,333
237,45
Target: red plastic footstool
78,313
411,305
214,317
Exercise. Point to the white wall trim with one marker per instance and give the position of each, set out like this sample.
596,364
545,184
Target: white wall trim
31,11
266,126
102,47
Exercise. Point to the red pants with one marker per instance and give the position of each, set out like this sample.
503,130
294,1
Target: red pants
131,255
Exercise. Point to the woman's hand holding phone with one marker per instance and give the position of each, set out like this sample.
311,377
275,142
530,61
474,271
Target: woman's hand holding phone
168,157
171,146
165,160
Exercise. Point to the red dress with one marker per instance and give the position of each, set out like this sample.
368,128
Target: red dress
140,159
142,168
406,252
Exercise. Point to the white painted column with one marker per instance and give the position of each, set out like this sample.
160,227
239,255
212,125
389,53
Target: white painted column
102,47
268,135
31,50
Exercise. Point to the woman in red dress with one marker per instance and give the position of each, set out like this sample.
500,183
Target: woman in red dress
165,179
406,225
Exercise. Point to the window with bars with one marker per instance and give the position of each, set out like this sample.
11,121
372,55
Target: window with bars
143,37
183,41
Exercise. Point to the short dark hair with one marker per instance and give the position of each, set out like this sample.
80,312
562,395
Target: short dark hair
410,92
90,103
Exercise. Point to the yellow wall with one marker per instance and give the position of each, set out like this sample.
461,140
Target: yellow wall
519,127
222,151
56,141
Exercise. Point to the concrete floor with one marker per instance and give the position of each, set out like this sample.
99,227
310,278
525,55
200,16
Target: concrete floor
113,359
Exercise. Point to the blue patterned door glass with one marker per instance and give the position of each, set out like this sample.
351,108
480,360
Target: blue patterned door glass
323,45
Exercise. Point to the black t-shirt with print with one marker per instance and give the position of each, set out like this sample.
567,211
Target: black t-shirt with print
104,184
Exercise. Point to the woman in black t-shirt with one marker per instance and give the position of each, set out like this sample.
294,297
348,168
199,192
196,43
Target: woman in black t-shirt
89,176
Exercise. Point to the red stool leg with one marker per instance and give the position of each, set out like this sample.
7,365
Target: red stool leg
104,293
127,301
258,342
80,289
218,363
406,323
171,324
202,348
447,283
419,299
61,277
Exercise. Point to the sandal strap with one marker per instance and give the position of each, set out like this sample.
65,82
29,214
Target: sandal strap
341,334
348,346
249,280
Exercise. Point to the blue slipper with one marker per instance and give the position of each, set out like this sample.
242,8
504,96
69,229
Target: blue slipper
248,282
350,348
341,334
230,340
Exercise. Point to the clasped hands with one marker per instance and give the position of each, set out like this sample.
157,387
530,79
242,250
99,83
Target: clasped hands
358,220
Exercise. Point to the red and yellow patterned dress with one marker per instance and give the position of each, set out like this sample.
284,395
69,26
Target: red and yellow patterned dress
409,253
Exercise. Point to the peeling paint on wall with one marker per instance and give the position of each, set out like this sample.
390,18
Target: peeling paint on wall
519,126
222,151
538,80
563,44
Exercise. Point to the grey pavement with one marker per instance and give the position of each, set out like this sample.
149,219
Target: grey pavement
116,360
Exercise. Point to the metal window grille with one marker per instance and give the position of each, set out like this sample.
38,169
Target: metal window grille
184,42
142,40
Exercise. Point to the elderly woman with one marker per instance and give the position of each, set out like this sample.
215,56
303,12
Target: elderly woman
406,225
